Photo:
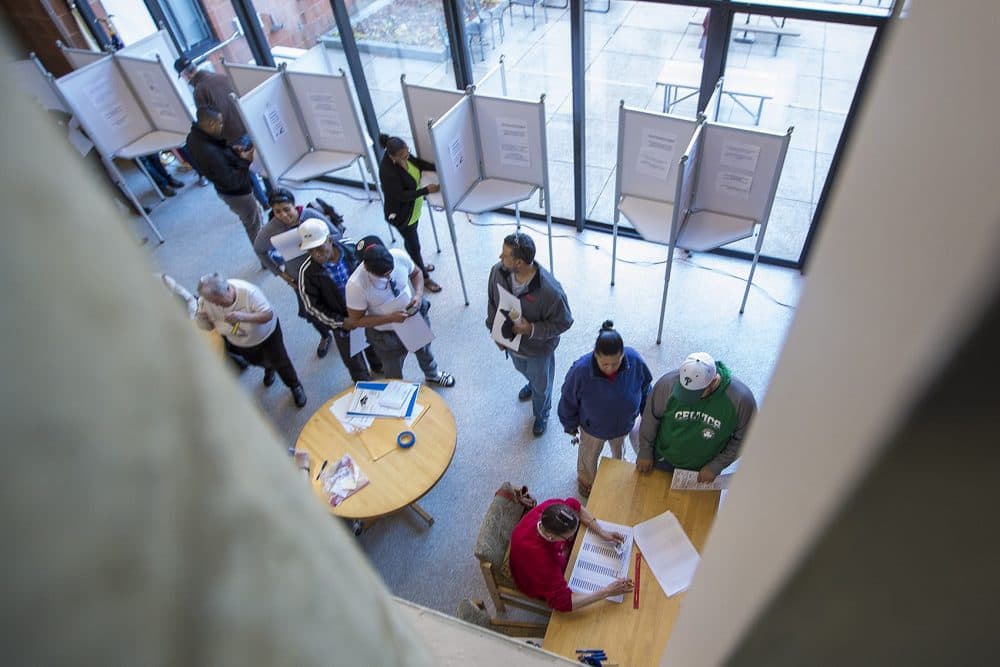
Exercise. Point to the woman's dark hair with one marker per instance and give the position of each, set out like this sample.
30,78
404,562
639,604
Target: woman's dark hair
559,519
281,196
392,145
609,342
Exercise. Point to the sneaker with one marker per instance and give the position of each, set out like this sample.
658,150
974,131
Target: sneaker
268,377
299,394
538,428
324,345
525,393
442,380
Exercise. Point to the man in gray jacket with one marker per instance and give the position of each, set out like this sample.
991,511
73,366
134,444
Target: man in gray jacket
543,315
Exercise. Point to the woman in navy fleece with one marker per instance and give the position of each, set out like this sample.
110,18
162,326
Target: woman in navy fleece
602,395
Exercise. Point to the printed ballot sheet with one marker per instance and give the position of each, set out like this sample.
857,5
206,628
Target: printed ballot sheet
668,552
509,306
687,480
599,562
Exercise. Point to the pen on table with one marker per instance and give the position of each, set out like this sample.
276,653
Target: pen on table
321,469
635,591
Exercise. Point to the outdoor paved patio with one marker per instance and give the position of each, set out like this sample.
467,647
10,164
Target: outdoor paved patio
816,75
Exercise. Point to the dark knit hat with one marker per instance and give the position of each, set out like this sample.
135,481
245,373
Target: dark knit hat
378,260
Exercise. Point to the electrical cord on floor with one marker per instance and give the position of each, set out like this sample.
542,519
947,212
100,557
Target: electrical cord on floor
302,185
636,262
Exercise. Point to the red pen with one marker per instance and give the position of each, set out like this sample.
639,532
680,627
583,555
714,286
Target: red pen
635,591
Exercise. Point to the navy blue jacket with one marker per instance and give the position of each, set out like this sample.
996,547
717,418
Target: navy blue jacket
604,408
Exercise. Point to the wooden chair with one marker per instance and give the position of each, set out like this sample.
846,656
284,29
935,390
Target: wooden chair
493,552
474,611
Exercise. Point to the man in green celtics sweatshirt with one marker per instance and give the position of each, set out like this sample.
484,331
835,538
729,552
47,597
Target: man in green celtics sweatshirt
695,419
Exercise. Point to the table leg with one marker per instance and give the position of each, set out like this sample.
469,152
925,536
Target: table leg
423,513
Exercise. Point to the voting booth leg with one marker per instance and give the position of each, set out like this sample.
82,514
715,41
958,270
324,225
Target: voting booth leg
517,214
614,246
149,177
753,267
666,284
430,212
117,175
454,244
364,182
548,222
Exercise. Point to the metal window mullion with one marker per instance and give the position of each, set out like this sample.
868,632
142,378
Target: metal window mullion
260,48
460,59
578,71
350,47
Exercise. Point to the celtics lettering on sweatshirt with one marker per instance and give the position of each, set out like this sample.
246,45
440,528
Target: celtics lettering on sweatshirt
691,435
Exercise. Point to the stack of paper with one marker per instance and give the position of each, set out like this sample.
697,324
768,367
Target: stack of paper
383,399
351,424
687,480
668,552
599,562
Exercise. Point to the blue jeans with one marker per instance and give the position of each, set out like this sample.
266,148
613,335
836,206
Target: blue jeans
540,374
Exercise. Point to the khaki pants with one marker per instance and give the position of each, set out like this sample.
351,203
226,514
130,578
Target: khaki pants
590,452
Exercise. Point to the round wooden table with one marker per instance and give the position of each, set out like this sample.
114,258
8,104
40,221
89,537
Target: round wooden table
397,479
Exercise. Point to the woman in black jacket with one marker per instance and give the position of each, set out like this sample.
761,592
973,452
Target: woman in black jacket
399,173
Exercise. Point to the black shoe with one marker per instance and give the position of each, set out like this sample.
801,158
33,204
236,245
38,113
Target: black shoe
168,191
538,428
299,394
240,363
268,377
324,345
174,183
525,393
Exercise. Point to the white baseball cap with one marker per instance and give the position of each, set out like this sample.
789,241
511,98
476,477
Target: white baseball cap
696,373
312,234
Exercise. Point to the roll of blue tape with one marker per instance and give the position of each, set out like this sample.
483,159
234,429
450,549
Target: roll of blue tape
406,439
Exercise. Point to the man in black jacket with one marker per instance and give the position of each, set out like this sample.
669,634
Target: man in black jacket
321,281
228,168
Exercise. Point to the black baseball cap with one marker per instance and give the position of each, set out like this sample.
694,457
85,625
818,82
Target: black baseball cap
181,64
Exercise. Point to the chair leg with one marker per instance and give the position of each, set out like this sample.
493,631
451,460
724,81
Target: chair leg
491,586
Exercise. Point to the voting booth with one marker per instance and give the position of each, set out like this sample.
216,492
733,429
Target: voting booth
160,45
79,57
490,152
649,148
32,79
128,106
725,186
245,78
305,125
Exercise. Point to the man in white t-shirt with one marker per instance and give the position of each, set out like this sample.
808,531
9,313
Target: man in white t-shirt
243,316
383,292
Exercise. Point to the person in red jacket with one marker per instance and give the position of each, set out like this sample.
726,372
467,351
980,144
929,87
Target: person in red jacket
539,553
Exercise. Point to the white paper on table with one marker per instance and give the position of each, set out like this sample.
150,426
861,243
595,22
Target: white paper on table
668,552
415,415
514,148
413,332
733,184
287,245
511,304
359,342
656,154
599,563
687,480
350,423
740,156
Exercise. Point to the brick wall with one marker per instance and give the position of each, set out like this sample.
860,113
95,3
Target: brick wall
37,24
